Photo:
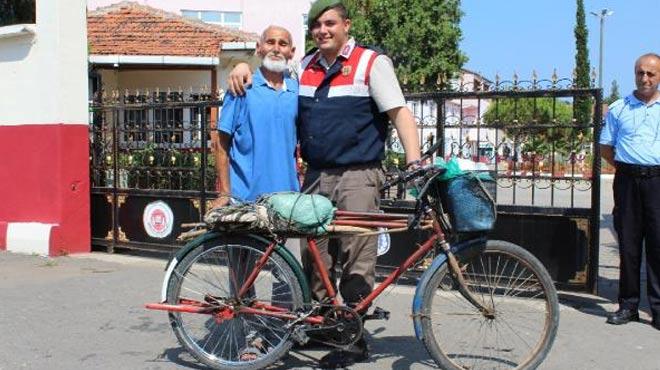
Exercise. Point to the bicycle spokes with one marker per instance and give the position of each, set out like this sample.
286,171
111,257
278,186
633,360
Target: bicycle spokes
516,324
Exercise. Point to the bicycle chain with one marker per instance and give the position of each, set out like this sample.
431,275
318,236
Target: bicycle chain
345,339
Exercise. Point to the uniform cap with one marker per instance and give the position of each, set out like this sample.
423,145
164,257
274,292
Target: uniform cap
318,7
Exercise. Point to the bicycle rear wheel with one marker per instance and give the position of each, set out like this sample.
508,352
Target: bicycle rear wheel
211,276
512,283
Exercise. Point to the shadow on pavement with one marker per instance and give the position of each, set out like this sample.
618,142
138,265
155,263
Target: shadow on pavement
407,350
180,357
607,221
588,304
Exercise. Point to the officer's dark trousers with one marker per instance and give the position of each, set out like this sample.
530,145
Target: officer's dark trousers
637,223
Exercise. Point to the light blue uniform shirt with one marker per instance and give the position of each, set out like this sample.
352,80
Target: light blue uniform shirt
633,129
262,126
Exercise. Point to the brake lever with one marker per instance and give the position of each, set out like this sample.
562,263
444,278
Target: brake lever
403,177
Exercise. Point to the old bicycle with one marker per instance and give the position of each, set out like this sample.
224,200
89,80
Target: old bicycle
481,304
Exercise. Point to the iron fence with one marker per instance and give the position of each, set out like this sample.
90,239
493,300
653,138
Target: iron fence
539,143
540,148
149,145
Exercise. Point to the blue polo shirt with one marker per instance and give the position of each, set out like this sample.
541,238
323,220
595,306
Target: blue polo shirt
262,126
633,129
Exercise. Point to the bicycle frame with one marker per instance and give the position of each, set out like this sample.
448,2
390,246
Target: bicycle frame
374,220
299,318
343,218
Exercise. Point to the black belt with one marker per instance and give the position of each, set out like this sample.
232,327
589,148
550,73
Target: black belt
357,166
635,170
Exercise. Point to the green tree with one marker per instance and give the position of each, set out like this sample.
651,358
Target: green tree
525,120
582,105
528,111
614,93
421,36
16,12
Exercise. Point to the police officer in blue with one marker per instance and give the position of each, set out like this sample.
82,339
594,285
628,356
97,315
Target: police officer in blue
630,141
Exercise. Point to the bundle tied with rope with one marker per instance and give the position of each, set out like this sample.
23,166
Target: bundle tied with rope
284,213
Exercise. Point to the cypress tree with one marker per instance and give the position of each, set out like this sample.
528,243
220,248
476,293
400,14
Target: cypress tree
582,79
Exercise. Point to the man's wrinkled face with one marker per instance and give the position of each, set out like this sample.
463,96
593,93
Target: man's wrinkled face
330,31
275,49
647,75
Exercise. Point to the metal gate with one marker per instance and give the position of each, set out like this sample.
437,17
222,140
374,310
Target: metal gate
538,139
152,167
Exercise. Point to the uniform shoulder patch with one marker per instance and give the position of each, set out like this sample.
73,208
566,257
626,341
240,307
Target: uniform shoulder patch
377,49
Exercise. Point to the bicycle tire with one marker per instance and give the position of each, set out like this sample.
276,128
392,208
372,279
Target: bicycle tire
528,286
201,274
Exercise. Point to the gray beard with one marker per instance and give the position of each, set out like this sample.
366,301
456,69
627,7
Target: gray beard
277,66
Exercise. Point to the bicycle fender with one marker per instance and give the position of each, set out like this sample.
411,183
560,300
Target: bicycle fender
458,249
178,257
279,249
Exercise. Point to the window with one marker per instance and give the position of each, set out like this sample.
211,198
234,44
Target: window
227,19
134,125
168,122
17,12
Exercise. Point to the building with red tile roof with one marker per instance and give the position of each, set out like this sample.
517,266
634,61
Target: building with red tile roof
135,47
128,28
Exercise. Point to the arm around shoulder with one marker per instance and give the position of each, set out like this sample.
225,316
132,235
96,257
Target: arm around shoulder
239,78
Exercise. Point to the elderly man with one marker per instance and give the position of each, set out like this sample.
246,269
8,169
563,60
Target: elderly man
348,93
257,137
630,141
257,131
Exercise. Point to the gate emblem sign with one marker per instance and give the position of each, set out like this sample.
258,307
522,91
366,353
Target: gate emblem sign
158,219
384,242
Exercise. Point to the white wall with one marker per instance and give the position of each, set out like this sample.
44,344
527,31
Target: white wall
114,79
257,14
119,79
285,13
43,77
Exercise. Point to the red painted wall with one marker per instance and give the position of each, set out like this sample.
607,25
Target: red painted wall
44,177
3,234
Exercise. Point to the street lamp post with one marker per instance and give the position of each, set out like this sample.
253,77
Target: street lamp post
601,15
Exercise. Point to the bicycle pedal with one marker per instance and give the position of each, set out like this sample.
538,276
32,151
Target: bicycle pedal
378,314
299,335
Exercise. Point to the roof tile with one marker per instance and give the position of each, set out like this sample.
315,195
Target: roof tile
128,28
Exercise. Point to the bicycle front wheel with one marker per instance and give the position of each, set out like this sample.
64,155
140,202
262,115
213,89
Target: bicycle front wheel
520,328
211,276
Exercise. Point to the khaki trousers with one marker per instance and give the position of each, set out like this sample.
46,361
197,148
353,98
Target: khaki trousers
353,259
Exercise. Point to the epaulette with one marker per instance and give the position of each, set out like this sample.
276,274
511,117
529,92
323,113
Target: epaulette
377,49
620,105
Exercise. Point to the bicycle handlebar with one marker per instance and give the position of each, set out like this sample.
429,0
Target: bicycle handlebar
407,175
